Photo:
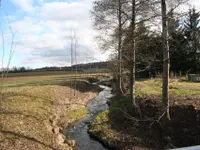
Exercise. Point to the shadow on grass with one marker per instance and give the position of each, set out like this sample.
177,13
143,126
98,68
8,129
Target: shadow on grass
4,112
27,138
82,84
28,97
142,79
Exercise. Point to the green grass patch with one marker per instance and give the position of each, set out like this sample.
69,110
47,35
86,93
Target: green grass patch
101,117
103,126
73,115
77,113
100,128
146,88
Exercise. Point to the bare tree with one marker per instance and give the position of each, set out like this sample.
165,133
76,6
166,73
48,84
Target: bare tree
132,69
120,90
110,19
73,49
139,10
166,59
166,49
5,63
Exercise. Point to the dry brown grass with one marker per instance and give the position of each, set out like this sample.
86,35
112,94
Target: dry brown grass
26,111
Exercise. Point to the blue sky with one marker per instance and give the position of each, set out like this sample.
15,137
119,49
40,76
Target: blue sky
41,29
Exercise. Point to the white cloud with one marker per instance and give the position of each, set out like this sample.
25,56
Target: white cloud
43,37
62,11
195,3
27,25
25,5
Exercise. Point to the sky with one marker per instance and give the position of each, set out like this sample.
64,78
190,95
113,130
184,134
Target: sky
41,31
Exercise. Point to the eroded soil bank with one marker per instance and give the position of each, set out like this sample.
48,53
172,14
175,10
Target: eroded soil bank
120,128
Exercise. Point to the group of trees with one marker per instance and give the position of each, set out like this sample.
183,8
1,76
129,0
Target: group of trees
184,42
20,69
131,30
91,67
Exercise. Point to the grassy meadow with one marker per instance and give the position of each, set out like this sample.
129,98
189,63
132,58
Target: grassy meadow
176,88
33,107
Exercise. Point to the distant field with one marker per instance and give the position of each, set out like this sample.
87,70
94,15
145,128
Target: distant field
45,78
39,73
44,73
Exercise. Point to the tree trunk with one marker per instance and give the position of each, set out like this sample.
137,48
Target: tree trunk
195,51
132,69
72,62
166,60
120,91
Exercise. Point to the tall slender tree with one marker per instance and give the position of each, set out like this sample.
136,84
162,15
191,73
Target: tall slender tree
120,90
132,69
166,59
139,11
166,49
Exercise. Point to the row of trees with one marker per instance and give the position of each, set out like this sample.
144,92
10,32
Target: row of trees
88,67
131,30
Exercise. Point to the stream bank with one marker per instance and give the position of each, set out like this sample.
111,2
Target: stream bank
68,109
120,131
79,130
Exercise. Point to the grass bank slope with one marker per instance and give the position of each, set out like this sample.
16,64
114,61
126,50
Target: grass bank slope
35,109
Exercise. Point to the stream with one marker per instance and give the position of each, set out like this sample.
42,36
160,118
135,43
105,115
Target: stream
79,131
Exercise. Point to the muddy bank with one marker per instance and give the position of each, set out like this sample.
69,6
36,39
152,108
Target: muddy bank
123,129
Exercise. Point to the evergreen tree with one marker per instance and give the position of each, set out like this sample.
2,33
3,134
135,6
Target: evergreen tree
178,55
192,34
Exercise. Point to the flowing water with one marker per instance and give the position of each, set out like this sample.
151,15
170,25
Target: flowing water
79,131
